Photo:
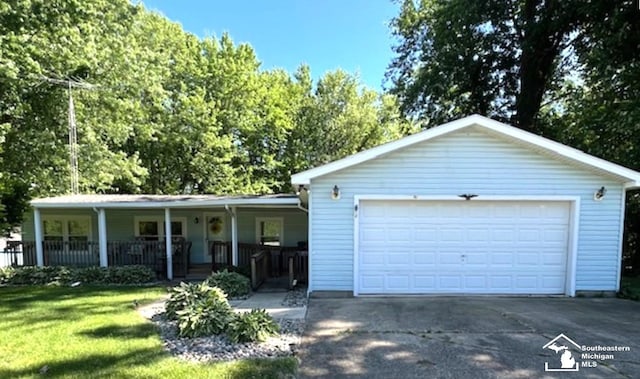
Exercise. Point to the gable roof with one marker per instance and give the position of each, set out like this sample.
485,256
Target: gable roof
630,177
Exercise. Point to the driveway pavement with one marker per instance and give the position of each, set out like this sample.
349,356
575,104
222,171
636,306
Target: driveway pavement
467,337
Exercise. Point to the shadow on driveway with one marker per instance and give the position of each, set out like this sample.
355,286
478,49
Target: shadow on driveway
465,337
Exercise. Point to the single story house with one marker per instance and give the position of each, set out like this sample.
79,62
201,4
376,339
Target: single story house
473,206
197,230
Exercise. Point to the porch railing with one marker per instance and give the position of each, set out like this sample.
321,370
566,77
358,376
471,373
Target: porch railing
263,261
298,267
71,253
19,253
139,252
259,268
87,253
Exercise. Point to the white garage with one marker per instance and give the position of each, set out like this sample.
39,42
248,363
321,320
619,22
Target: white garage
474,247
473,206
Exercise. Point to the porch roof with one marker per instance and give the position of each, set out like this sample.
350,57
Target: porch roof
165,201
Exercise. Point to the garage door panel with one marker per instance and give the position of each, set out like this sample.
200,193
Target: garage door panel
372,283
421,258
450,282
373,259
424,283
552,281
463,247
475,282
398,282
373,235
504,259
501,282
400,259
478,235
502,235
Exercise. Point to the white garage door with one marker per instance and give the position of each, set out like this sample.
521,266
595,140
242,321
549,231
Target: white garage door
479,247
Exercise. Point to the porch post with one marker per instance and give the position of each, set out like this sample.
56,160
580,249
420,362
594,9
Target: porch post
234,237
37,227
102,237
167,239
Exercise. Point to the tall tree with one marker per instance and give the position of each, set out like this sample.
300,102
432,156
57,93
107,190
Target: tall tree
341,117
498,58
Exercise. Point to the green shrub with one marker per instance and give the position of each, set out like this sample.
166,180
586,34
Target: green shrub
130,275
200,309
180,297
232,283
6,274
61,275
92,274
242,270
32,275
255,325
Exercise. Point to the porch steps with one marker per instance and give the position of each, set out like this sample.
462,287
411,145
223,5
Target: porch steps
198,272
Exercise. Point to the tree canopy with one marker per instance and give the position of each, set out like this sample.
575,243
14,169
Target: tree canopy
167,112
506,59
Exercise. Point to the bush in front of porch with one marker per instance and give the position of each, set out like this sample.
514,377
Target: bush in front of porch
233,284
62,275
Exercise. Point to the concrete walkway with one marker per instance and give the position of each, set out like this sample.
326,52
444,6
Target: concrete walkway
272,303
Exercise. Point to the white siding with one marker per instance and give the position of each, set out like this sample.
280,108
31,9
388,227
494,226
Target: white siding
464,162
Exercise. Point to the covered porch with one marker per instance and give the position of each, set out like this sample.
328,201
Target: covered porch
256,235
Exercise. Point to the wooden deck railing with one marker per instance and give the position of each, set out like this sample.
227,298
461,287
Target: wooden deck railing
139,252
71,253
259,268
298,265
222,258
263,261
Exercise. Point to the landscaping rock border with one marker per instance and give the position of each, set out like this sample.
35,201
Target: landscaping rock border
296,298
219,348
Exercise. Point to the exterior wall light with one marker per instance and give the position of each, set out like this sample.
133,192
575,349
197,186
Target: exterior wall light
599,194
335,193
196,220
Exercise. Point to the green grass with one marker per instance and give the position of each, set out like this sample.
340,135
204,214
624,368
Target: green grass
95,332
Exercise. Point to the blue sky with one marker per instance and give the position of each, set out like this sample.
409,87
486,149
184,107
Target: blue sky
325,34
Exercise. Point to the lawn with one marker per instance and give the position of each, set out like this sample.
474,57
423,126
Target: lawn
630,287
95,332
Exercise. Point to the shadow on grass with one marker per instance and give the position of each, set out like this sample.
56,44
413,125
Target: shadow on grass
65,302
21,297
119,331
90,365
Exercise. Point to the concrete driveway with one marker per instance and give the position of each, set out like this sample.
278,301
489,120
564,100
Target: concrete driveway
467,337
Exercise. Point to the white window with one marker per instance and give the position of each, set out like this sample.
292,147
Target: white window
269,231
67,228
152,228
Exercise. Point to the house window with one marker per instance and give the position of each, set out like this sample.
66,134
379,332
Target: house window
78,230
148,230
269,231
67,228
153,229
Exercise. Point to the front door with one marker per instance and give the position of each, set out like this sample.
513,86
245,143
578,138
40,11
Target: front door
215,230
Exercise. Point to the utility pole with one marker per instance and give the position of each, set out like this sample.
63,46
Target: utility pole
69,84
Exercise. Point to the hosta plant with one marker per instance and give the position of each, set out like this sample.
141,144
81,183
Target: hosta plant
252,326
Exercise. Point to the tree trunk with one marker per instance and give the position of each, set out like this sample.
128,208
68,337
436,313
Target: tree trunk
540,48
